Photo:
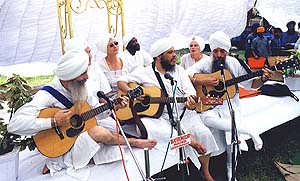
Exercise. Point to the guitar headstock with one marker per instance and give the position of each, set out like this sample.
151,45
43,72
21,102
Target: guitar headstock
210,100
293,62
136,92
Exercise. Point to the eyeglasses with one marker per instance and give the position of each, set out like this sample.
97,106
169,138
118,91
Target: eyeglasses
113,44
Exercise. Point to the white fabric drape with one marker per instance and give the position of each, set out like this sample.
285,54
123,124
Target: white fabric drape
29,30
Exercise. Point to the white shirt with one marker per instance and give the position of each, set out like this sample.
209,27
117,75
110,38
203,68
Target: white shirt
187,60
113,75
25,121
221,111
97,80
160,128
140,59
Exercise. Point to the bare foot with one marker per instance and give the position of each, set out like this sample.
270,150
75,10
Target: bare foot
45,170
200,148
208,177
144,143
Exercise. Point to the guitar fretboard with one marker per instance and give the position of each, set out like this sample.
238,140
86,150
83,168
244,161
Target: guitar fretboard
167,99
93,112
280,66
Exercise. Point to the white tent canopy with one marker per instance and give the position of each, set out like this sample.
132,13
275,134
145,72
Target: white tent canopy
29,30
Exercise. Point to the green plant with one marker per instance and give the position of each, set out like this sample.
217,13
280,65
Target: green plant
293,71
17,93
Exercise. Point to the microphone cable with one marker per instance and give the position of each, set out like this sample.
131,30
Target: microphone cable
171,123
119,142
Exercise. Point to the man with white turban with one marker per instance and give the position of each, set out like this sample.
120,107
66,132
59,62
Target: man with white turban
219,117
133,54
196,46
97,80
96,144
161,128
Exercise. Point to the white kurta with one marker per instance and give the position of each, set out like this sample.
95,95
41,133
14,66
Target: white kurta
160,128
187,60
26,122
97,80
112,75
140,59
221,112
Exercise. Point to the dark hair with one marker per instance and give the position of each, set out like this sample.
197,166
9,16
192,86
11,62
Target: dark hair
293,23
277,30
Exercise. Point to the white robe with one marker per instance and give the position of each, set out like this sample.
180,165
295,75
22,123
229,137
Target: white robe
187,60
140,59
221,112
26,122
160,128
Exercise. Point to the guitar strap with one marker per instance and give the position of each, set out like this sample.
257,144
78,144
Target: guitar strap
61,98
171,117
138,122
245,66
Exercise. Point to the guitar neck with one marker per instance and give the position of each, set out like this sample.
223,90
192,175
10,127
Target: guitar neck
93,112
158,100
242,78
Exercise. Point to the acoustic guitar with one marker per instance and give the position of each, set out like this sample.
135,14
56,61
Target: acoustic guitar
153,103
231,83
57,141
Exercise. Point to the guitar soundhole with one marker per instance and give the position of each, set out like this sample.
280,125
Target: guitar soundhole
76,120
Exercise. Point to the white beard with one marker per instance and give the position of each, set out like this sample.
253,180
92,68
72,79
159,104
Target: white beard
78,91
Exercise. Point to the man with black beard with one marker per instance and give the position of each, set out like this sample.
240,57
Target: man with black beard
218,118
161,128
289,38
133,55
96,145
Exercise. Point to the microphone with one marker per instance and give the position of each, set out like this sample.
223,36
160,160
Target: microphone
101,94
168,76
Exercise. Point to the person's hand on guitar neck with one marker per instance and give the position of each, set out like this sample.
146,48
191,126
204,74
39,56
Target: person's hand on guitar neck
62,118
267,74
123,103
191,103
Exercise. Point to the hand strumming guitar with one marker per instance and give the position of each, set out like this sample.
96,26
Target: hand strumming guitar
207,81
62,118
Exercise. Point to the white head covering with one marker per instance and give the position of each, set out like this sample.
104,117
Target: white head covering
72,64
160,46
200,42
102,42
219,40
76,43
126,39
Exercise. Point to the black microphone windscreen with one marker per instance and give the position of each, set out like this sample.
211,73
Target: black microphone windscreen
101,94
168,76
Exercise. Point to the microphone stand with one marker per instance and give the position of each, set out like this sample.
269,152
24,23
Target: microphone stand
183,164
125,138
234,135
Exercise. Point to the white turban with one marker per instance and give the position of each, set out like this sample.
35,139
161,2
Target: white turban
72,64
76,43
200,42
219,40
126,39
102,42
160,46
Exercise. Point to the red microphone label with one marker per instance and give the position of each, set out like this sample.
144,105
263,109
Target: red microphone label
180,141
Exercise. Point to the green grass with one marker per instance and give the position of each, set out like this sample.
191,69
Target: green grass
32,81
280,144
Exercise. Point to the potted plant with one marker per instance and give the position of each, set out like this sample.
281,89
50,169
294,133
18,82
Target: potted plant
15,93
291,75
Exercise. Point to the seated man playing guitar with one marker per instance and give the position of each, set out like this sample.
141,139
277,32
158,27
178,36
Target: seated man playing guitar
60,133
161,128
219,117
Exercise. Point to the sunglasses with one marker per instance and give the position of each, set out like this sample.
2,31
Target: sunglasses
113,44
